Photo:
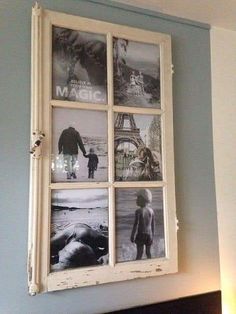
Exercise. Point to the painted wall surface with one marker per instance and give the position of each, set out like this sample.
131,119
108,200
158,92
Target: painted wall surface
223,51
198,241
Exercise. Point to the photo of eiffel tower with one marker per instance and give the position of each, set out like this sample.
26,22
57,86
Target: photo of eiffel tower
135,140
124,133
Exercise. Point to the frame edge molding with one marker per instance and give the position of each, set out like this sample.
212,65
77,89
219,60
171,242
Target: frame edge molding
35,162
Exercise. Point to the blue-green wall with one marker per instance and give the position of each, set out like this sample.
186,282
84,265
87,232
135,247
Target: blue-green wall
198,243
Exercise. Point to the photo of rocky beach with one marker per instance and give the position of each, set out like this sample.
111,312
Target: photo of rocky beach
136,73
79,228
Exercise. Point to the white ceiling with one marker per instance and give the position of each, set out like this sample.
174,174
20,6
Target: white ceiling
220,13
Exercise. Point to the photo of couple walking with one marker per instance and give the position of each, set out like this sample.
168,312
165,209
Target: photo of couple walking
68,144
79,149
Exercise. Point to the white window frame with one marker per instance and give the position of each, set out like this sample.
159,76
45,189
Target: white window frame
40,279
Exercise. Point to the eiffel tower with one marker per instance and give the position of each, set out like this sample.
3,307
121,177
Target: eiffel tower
124,133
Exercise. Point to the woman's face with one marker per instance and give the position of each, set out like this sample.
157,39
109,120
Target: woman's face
142,154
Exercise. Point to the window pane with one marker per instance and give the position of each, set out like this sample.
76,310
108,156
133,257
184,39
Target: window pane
79,66
136,73
138,154
79,228
140,232
79,145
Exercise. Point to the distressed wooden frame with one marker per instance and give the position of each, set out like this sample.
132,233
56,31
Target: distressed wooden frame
39,277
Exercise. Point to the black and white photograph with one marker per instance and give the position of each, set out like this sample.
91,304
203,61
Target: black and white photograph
79,145
79,228
137,145
79,66
136,73
140,232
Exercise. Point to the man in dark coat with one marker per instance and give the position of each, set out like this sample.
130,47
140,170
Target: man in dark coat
68,145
